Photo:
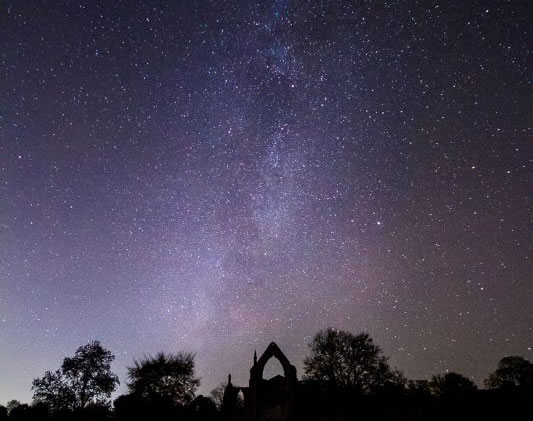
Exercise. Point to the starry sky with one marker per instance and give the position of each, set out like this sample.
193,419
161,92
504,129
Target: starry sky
212,176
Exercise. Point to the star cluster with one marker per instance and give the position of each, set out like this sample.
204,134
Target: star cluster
212,176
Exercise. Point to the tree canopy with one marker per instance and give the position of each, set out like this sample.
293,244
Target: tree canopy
85,379
349,361
512,371
217,394
164,376
451,384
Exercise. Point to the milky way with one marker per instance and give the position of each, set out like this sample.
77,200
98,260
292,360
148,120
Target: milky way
212,176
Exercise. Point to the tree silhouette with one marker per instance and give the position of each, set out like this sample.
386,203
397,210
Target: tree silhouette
25,412
19,412
165,376
217,394
512,371
203,408
451,384
3,413
418,388
83,380
347,361
53,390
11,405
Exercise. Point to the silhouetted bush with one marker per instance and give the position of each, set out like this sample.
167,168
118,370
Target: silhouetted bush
25,412
203,409
451,384
163,388
157,408
418,388
165,376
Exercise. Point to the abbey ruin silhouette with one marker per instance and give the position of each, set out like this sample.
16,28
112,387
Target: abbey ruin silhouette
163,388
273,399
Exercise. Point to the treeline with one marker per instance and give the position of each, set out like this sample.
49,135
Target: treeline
346,376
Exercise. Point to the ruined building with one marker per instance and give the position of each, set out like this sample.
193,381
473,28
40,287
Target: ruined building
263,400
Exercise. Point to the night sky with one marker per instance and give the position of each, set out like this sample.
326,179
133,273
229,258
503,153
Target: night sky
212,176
